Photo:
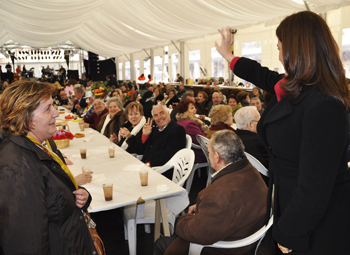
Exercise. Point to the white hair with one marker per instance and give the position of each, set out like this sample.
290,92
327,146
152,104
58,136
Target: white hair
255,99
245,115
159,105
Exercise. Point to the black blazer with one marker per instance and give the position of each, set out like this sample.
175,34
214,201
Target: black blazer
307,140
161,146
254,146
82,104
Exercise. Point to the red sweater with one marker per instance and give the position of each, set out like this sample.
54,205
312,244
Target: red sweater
93,119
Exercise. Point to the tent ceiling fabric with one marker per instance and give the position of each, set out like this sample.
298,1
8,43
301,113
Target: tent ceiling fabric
115,27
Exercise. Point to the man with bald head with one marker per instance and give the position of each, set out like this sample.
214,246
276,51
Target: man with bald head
99,110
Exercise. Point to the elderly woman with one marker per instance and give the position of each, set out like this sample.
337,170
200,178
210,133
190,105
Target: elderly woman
243,98
172,99
40,202
111,122
186,117
257,93
202,103
234,103
158,95
221,118
131,132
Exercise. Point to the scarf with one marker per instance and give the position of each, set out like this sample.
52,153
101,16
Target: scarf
184,116
134,131
56,158
220,126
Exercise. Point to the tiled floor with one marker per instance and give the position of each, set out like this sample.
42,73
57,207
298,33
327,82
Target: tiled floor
111,230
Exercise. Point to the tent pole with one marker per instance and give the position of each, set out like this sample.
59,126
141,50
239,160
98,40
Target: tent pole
306,5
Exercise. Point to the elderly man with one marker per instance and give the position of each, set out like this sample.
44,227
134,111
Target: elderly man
247,119
255,101
216,100
160,143
232,207
79,102
99,110
63,100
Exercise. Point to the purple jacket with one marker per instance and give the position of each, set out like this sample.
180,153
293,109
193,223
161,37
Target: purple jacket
193,129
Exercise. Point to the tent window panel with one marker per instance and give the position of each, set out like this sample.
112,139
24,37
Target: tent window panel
252,50
194,63
217,64
157,70
137,69
175,65
146,67
127,71
346,51
120,68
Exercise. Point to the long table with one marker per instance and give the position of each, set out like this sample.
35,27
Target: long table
122,171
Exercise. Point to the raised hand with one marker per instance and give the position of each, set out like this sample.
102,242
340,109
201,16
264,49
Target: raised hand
226,42
147,128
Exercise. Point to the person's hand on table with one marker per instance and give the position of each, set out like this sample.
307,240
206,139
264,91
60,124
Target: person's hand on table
201,117
147,128
68,162
226,42
113,138
84,178
81,196
284,249
192,209
86,125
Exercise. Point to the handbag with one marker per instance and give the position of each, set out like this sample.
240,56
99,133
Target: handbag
93,232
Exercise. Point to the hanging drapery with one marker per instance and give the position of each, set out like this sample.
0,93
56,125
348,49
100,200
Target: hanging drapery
114,27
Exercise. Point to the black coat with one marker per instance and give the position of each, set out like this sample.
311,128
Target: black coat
161,146
254,146
38,214
134,142
307,140
82,104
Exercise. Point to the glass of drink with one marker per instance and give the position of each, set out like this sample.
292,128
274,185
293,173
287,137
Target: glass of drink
111,150
86,169
108,191
144,176
82,127
83,153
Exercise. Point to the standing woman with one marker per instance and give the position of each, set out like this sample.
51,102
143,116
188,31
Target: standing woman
40,202
305,130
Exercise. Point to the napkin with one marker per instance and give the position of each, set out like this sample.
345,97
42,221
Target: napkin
77,120
98,178
133,168
88,139
162,188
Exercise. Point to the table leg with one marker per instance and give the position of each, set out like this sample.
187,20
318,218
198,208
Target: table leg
161,211
157,221
164,217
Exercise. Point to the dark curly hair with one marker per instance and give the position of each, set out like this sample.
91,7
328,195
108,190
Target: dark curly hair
183,105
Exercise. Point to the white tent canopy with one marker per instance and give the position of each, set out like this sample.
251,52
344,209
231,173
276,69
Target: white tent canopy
114,27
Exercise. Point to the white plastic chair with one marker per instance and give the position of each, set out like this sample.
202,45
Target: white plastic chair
144,213
195,249
204,142
188,141
195,167
256,163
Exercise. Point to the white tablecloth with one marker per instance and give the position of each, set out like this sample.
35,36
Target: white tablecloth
121,171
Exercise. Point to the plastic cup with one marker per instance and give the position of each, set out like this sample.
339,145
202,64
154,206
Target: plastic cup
83,153
82,127
111,151
144,177
108,191
86,169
